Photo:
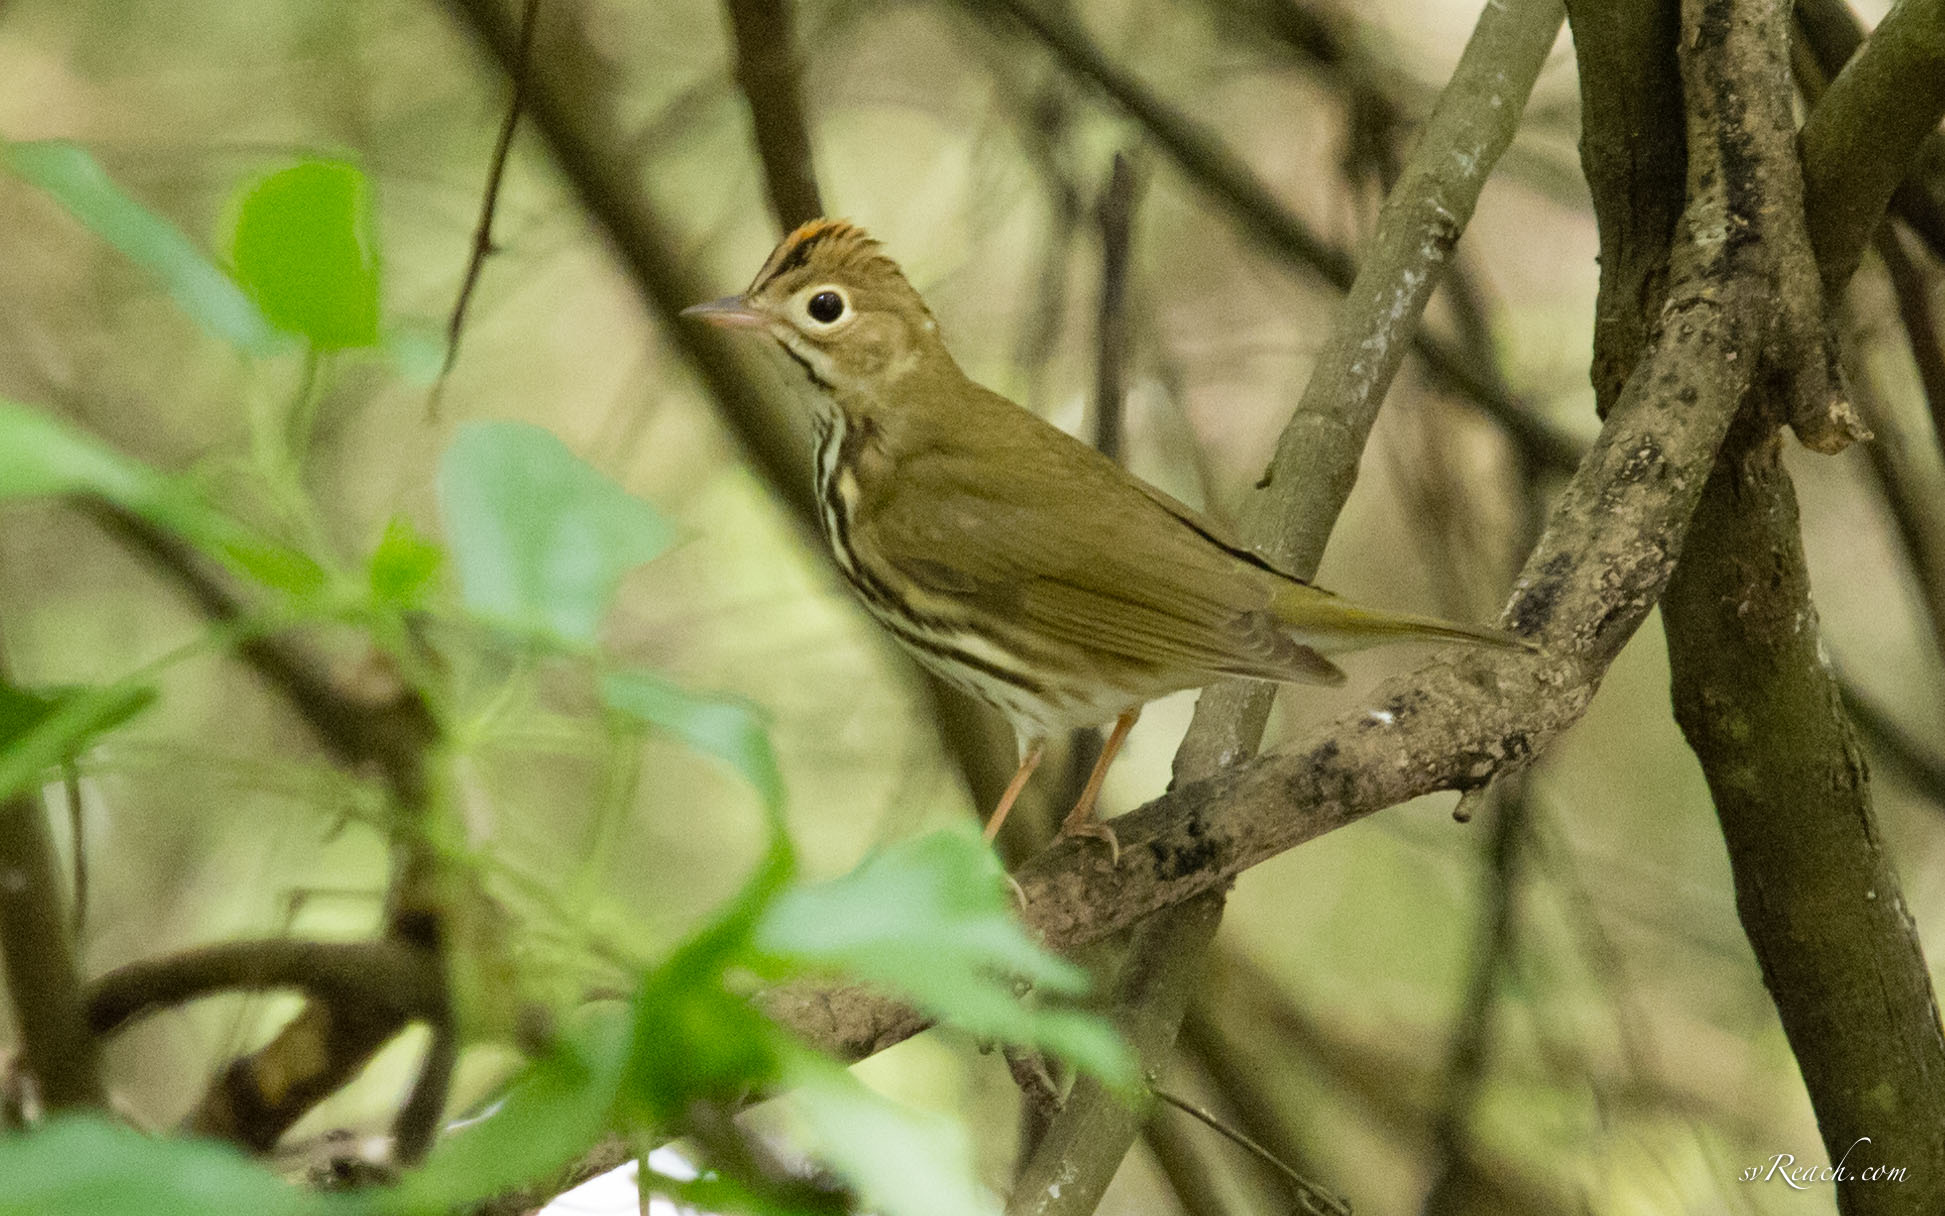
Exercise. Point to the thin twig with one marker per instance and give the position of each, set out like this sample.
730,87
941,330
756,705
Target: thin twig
483,244
1115,214
1466,1062
1190,1176
71,793
1314,1197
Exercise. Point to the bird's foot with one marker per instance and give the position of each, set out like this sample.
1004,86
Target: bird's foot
1099,831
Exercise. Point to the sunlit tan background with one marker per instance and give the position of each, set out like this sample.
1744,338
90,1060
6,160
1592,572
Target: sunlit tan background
1635,1066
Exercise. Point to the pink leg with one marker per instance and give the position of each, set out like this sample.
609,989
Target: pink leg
1028,763
1080,821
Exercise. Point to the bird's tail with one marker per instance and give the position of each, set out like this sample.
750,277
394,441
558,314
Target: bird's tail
1324,622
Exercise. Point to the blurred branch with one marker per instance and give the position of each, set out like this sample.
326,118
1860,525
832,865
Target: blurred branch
1906,480
1115,213
1207,161
417,1122
1249,1026
1893,743
1457,1174
43,979
1046,137
385,975
1877,123
765,45
490,199
1912,288
258,1097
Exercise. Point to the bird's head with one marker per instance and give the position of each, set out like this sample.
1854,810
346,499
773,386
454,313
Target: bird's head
837,305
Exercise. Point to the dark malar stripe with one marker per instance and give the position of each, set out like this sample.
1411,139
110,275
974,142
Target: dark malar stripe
810,371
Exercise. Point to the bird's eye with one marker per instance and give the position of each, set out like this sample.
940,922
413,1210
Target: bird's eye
825,307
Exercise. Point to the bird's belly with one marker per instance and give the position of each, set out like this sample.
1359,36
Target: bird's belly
1037,702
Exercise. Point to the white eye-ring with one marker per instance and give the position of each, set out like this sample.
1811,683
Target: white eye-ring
825,306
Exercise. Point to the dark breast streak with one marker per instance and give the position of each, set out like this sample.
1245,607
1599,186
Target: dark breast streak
840,444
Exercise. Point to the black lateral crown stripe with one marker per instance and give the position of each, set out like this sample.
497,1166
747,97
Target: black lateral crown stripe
799,253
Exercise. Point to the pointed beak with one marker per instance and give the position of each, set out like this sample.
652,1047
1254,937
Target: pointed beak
730,312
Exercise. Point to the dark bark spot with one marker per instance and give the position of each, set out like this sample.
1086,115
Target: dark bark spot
1534,609
1644,463
1178,861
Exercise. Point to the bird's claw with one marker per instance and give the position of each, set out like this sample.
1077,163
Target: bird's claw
1100,831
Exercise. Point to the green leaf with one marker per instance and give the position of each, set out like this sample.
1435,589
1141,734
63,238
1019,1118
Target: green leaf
402,567
732,731
931,918
304,251
540,538
903,1163
72,177
39,731
41,457
85,1166
693,1039
549,1117
717,1193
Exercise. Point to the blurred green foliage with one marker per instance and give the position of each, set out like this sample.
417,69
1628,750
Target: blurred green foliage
538,541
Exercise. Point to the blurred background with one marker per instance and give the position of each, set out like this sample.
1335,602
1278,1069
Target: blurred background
1554,1003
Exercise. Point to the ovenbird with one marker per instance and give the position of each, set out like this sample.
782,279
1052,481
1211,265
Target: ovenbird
1012,559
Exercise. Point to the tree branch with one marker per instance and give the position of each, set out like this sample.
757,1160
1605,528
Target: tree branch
1816,893
384,975
765,46
257,1098
1864,136
1758,706
56,1045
